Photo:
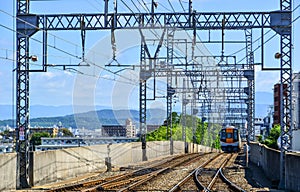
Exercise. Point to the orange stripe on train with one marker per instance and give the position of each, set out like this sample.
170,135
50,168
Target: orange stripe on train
229,140
229,130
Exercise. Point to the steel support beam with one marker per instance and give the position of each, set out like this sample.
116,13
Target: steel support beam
251,86
143,98
170,90
183,116
22,98
285,91
203,21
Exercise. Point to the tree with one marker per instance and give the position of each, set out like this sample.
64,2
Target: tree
36,137
271,140
5,133
201,132
66,132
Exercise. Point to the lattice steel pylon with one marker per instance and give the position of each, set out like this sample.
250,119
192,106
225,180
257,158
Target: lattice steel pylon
251,85
22,99
144,75
170,90
285,91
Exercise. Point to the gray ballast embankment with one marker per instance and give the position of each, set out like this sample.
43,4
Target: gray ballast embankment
58,165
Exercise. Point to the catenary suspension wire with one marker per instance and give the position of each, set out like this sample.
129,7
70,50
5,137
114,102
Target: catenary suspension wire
103,68
269,39
75,56
240,50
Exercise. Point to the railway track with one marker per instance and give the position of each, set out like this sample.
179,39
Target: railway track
188,183
177,173
129,180
211,177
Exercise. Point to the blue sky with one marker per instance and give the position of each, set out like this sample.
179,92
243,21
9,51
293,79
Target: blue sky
57,87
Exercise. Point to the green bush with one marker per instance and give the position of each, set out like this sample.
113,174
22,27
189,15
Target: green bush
271,140
201,132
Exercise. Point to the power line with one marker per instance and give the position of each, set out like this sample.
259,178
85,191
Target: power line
182,6
269,38
126,5
238,51
70,55
61,50
171,6
135,6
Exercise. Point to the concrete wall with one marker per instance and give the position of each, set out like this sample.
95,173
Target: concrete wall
292,167
269,160
56,165
296,142
8,166
266,158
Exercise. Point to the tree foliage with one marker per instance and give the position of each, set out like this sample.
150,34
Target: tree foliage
5,133
36,137
66,132
271,140
203,135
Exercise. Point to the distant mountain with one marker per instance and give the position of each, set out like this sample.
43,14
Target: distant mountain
36,111
94,119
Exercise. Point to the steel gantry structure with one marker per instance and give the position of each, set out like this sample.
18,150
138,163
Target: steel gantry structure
28,24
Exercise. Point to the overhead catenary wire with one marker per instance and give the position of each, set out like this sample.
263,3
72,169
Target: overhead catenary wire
171,6
65,52
152,30
269,39
180,2
242,49
297,6
72,70
78,57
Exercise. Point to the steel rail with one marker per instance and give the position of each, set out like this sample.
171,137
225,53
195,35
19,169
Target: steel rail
138,177
217,173
183,181
220,174
102,180
229,183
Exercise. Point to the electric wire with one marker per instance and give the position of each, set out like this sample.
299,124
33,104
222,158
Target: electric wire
269,39
242,49
89,62
160,4
145,6
171,6
127,6
154,32
182,6
61,50
135,6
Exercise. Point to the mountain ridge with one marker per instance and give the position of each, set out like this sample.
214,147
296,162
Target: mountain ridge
95,119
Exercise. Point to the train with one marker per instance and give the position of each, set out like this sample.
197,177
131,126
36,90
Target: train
230,139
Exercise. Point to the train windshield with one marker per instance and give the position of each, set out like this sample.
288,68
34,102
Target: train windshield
235,135
229,135
223,135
